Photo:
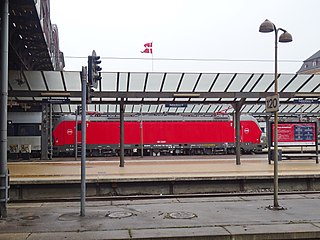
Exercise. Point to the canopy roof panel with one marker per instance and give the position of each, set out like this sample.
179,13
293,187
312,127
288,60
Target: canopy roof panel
155,92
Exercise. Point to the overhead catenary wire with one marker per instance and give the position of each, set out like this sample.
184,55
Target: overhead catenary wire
190,59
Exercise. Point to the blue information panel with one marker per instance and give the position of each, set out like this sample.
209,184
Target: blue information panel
296,134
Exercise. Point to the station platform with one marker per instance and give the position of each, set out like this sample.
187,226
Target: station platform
236,217
150,168
179,218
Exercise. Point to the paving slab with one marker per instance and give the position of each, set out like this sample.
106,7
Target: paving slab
179,218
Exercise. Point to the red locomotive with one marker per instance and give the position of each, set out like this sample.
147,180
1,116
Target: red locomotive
158,134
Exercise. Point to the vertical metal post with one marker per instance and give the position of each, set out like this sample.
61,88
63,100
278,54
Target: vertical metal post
238,147
76,137
237,107
275,157
317,145
141,131
122,132
44,132
83,140
50,131
4,178
268,135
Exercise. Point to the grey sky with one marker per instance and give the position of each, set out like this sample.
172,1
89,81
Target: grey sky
186,29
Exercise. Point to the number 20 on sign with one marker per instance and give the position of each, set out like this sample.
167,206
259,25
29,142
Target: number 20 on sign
272,103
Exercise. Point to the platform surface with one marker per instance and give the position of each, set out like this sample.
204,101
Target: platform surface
178,218
157,168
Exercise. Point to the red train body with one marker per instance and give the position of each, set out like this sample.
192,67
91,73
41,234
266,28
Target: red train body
158,135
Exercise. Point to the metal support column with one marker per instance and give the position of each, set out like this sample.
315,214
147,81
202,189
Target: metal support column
268,135
76,135
4,176
122,132
238,147
45,131
141,131
50,132
83,139
237,107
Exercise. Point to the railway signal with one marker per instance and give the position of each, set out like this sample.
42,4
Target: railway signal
94,70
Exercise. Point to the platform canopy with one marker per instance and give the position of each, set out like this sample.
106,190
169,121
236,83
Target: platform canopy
167,92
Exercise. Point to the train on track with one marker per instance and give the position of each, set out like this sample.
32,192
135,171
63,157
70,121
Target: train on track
156,135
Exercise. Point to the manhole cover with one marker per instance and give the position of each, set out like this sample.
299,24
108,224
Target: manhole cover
119,214
30,217
181,215
69,217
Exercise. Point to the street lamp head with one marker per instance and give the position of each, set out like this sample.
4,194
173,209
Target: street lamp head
285,37
267,27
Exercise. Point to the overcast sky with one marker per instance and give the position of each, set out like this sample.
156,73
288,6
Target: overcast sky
224,34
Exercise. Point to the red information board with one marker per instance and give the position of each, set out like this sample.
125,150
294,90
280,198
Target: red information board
296,134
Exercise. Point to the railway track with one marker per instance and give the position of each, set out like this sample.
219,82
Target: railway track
161,196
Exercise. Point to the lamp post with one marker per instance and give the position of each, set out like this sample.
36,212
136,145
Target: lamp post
267,27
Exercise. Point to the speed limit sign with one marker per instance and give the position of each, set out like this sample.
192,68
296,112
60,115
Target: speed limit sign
272,103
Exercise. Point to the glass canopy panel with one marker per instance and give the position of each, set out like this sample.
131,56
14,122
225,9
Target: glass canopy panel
212,99
251,83
188,108
254,108
171,82
35,80
204,108
258,108
123,81
102,108
183,99
305,108
65,108
17,81
109,81
180,110
56,108
128,108
165,99
112,108
137,81
222,82
73,107
188,82
283,80
315,110
54,80
295,109
240,80
150,99
73,81
211,108
313,83
196,108
205,82
136,108
146,108
296,83
135,99
283,107
154,82
196,99
152,109
264,83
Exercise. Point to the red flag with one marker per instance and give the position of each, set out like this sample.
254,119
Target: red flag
148,48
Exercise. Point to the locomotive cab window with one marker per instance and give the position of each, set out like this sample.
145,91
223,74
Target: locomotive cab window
79,126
